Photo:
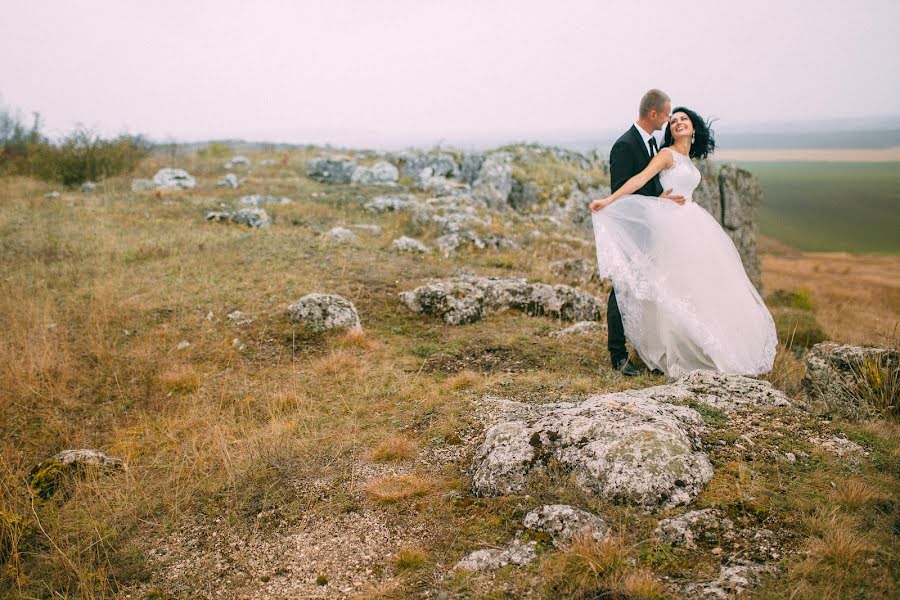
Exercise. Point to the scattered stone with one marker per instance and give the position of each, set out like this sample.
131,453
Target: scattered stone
463,299
51,195
268,162
335,169
321,312
182,345
389,203
408,244
174,179
143,185
230,180
580,328
88,186
516,553
562,522
240,160
381,173
451,242
46,477
340,234
733,581
238,344
707,526
836,373
239,318
629,446
259,199
252,217
368,228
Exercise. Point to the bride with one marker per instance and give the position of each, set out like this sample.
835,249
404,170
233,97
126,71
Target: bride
685,299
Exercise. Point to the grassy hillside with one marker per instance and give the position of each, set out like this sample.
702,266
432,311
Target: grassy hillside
852,207
265,461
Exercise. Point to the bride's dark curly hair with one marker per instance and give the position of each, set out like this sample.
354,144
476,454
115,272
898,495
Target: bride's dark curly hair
704,143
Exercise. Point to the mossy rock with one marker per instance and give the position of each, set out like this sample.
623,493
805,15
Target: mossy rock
798,329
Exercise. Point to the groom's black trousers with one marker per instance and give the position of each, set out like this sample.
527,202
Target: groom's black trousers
616,338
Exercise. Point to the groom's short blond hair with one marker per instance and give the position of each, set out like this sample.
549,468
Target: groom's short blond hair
653,100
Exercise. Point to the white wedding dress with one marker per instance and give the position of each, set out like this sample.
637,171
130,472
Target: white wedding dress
685,300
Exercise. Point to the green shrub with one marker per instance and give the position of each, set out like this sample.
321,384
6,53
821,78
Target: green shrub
214,150
799,299
798,329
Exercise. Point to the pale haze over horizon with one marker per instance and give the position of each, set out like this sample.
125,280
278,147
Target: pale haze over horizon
419,72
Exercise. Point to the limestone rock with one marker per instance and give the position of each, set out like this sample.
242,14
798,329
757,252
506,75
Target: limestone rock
240,160
229,181
562,522
729,393
471,166
464,299
412,163
260,199
389,203
628,446
494,182
733,581
408,244
321,312
580,328
173,179
331,169
51,195
707,526
340,234
251,217
88,186
451,242
381,173
516,553
835,371
368,228
46,477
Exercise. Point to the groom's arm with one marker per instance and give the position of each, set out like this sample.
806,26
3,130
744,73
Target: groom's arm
621,165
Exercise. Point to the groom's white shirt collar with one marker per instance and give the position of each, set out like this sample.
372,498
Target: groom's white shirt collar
646,137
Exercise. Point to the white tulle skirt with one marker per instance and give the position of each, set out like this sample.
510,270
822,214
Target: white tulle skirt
685,300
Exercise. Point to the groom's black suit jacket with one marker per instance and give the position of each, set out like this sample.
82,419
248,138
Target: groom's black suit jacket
628,157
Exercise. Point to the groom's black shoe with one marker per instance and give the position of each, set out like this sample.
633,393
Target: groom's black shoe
625,367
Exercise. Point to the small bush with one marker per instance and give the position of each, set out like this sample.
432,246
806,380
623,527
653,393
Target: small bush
214,150
877,386
798,329
800,299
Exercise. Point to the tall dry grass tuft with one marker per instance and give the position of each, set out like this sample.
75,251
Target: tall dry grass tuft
393,488
394,448
787,371
597,569
877,385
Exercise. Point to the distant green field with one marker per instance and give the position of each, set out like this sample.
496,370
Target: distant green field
819,206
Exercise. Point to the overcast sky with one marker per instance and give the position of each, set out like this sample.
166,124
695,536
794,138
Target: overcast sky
364,72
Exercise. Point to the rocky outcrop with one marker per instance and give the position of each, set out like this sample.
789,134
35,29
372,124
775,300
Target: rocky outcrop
381,173
632,447
251,217
839,375
465,299
331,169
322,312
563,522
174,179
494,182
46,477
412,163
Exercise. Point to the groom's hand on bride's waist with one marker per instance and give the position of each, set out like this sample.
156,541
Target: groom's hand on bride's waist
668,195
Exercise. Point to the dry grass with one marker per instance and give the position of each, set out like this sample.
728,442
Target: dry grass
598,569
410,558
393,488
394,448
787,371
856,493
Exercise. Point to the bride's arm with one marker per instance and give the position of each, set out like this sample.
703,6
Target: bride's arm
662,160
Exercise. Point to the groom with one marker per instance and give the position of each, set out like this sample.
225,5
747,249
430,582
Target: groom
629,156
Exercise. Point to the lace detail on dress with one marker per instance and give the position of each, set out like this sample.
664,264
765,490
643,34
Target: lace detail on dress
682,177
